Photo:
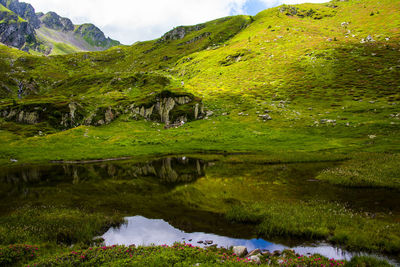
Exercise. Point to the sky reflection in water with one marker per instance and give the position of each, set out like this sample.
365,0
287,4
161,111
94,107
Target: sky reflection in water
142,231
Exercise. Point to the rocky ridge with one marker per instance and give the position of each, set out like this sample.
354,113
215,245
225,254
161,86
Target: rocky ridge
15,31
94,36
180,32
53,21
19,22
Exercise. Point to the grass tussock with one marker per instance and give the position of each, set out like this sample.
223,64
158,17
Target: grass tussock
371,170
320,220
37,225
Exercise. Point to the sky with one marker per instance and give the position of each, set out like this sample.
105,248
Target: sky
129,21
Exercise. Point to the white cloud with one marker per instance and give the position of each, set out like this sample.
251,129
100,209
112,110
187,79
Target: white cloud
137,20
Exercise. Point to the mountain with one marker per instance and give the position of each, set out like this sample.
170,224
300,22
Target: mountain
14,30
49,33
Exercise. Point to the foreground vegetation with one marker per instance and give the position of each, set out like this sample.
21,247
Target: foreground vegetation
316,220
176,255
259,197
366,171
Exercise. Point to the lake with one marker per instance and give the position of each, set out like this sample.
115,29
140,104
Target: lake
177,199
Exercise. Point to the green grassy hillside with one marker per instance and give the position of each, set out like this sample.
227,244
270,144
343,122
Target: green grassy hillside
326,75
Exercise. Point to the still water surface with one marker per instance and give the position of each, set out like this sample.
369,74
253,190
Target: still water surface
139,230
162,198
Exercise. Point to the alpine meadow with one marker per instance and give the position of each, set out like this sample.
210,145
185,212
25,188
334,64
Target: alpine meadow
269,140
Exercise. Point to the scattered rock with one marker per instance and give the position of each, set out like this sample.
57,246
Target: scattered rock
344,24
277,253
255,259
327,121
368,39
265,117
266,253
253,252
240,250
208,242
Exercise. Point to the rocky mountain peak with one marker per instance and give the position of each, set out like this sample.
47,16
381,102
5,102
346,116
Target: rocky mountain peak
94,36
53,21
24,29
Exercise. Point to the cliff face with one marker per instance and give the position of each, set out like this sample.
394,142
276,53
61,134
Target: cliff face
24,10
15,31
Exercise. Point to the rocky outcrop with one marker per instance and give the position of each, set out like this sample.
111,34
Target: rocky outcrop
180,32
170,108
24,10
101,116
53,21
21,116
197,38
166,107
60,116
14,31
